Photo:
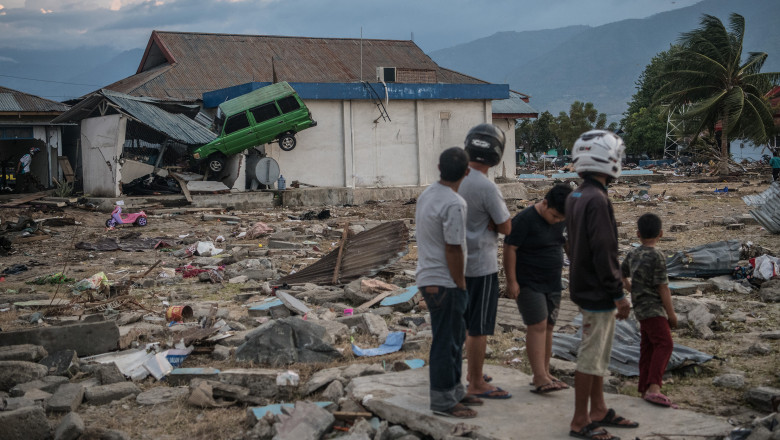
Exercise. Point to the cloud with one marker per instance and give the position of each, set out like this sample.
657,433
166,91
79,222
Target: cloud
435,24
8,60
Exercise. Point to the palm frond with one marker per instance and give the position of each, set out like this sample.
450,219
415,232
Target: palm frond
754,63
732,105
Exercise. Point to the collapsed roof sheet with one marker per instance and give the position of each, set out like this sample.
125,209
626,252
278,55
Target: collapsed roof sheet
364,255
624,358
767,211
147,111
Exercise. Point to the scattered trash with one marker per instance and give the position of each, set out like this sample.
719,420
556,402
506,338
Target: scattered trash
178,313
393,343
97,283
765,267
57,278
15,269
287,378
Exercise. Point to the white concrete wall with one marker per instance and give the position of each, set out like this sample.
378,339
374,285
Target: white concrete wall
347,148
101,141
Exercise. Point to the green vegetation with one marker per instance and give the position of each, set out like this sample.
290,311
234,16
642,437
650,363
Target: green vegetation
708,78
559,133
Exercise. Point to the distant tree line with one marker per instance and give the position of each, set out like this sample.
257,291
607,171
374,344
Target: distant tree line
703,85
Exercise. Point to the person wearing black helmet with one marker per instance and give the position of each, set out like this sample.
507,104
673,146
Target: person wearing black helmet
487,217
23,175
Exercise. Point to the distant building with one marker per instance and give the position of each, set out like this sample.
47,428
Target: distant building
25,123
384,109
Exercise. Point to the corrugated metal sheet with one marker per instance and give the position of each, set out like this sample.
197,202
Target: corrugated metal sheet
767,211
205,62
16,101
365,254
624,358
513,105
177,126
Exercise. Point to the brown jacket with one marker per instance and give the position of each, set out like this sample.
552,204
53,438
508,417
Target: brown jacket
595,282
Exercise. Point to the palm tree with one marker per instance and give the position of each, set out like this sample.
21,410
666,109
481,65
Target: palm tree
708,77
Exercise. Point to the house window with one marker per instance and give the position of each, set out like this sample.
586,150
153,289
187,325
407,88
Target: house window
265,112
16,133
236,122
289,104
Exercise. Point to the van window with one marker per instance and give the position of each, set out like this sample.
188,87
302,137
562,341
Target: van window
236,122
264,112
288,104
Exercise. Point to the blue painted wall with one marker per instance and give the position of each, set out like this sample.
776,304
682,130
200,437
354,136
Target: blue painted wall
352,91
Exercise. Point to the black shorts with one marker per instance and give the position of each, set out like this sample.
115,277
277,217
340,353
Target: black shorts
536,306
483,303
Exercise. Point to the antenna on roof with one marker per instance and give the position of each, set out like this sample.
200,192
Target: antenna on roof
361,53
412,36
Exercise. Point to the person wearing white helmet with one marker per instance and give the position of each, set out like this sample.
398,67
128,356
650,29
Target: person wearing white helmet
596,284
487,217
23,170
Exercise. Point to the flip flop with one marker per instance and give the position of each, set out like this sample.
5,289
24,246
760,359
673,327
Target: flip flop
591,432
549,387
660,400
561,384
492,394
613,420
458,411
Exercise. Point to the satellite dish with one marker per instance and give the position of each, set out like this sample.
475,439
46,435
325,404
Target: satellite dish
267,171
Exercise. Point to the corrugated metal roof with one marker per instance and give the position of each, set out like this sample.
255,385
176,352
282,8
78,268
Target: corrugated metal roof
514,105
767,211
364,255
624,357
16,101
177,126
197,62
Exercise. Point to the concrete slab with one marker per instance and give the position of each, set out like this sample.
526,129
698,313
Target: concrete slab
685,288
402,398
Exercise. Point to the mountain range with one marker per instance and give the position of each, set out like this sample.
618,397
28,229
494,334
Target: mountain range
555,67
601,64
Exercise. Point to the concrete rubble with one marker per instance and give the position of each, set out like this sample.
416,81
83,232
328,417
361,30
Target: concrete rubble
282,353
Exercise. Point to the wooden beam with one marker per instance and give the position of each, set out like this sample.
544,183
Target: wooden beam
344,235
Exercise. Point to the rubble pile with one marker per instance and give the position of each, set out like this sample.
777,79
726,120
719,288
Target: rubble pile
277,315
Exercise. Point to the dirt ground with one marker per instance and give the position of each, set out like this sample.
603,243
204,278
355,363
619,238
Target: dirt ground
676,201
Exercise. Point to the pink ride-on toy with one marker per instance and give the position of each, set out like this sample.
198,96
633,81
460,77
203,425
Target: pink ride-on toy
118,218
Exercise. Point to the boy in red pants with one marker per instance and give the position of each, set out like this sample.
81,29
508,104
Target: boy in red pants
652,301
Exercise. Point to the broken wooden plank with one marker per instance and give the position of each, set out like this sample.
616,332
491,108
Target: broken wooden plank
350,416
24,199
55,203
183,186
376,299
67,170
343,240
31,239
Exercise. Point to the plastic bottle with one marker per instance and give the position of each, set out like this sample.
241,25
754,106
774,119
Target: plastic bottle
281,184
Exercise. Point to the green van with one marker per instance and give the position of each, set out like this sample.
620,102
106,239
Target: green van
256,118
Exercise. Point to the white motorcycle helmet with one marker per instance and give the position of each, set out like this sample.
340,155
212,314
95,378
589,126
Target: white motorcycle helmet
599,151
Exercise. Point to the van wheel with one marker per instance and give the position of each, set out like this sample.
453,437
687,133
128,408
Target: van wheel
287,142
216,163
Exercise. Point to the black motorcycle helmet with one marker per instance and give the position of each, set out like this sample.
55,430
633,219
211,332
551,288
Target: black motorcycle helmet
485,144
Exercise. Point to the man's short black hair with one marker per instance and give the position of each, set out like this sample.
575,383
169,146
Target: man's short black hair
453,163
556,197
649,225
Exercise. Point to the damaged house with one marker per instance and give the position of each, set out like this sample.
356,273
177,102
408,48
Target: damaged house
124,138
25,122
384,109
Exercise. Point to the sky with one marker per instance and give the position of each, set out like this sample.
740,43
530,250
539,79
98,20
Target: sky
432,24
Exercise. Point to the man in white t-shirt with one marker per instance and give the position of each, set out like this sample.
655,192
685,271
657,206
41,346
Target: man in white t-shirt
23,176
487,217
440,219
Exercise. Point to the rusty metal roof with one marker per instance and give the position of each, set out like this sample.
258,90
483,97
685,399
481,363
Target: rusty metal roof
16,101
365,254
184,65
148,111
